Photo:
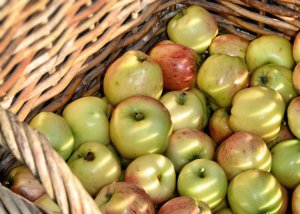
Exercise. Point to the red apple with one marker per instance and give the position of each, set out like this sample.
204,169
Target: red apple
123,198
296,77
218,126
296,200
184,204
293,115
296,48
178,64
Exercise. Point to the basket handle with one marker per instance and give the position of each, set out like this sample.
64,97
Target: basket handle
32,149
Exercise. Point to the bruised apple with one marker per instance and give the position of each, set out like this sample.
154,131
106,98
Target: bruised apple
178,64
194,27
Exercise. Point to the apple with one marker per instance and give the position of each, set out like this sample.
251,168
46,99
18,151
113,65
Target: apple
225,210
218,126
243,151
57,131
95,166
296,47
221,76
134,73
184,204
178,64
87,118
258,110
254,191
21,181
185,108
285,200
204,180
47,204
155,173
194,27
296,200
276,77
229,44
124,197
140,125
293,114
296,78
286,162
222,205
205,105
284,134
186,145
269,49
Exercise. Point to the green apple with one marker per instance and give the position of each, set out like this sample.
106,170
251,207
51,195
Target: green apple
57,131
258,110
229,44
47,204
134,73
155,173
243,151
184,204
276,77
123,198
87,118
225,210
286,162
221,76
293,114
204,180
140,125
186,145
296,78
296,47
255,191
296,200
21,181
95,166
185,108
194,27
218,126
269,49
205,105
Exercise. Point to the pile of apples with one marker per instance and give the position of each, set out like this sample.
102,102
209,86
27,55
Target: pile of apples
177,132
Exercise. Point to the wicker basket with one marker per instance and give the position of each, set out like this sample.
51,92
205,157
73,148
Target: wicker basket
53,52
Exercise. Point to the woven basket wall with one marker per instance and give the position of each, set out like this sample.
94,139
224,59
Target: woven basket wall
52,52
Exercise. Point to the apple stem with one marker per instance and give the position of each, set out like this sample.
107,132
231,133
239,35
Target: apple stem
201,173
139,116
108,196
181,98
142,58
90,156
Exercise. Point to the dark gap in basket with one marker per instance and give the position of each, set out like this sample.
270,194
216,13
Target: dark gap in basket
81,9
55,12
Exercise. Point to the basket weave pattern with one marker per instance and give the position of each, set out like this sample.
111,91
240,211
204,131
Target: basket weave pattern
52,52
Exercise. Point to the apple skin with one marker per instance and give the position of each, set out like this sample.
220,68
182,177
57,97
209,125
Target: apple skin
296,78
194,27
185,108
254,191
186,145
225,210
269,49
155,173
276,77
124,197
229,44
47,204
90,161
257,110
285,201
87,118
296,48
135,72
243,151
140,125
21,181
293,114
284,134
222,75
204,180
178,64
57,131
218,126
184,204
296,200
286,162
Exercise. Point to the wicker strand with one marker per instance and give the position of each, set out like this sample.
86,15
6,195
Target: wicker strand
32,148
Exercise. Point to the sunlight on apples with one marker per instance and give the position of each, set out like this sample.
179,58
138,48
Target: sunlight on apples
276,197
